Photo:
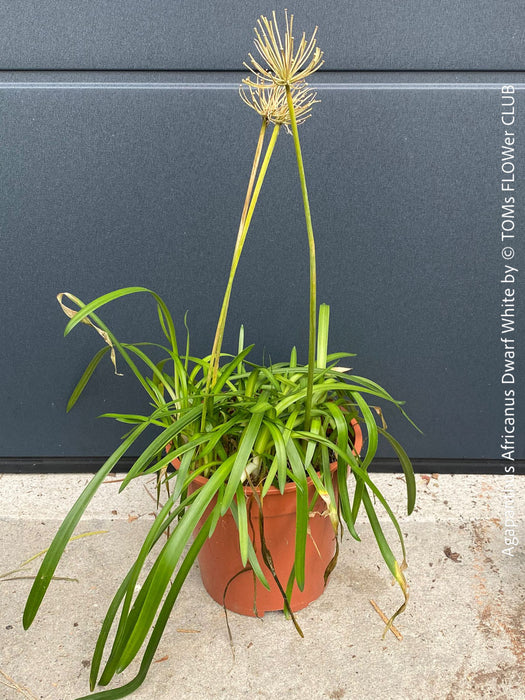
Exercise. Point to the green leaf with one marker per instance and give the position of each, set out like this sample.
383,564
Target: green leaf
144,609
315,428
229,369
371,428
322,335
216,514
362,473
242,524
166,323
390,560
55,551
87,309
252,556
160,625
341,430
329,485
279,464
334,356
384,547
160,442
379,391
243,454
182,472
105,630
302,512
153,367
127,588
85,378
408,471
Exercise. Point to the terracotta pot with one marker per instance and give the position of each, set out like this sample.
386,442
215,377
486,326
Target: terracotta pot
220,559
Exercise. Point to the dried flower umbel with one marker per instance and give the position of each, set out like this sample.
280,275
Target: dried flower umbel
270,102
283,66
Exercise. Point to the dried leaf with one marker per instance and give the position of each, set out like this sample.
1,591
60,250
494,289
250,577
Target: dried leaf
71,313
190,631
382,615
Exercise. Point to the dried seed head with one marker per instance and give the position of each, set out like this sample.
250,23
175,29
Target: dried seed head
283,67
269,100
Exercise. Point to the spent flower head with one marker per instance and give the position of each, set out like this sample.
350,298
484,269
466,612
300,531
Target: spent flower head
269,100
283,67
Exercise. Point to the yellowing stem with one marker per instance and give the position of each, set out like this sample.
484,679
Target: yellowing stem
241,237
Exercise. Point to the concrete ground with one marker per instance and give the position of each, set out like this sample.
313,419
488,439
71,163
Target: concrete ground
463,630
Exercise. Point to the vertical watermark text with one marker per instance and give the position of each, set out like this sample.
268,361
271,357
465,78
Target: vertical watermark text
508,233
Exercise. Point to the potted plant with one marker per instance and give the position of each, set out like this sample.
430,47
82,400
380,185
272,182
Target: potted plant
235,443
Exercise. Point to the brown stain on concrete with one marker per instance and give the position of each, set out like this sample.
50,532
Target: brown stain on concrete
516,634
497,684
498,618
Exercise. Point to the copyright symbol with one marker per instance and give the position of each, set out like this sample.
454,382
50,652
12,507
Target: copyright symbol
507,253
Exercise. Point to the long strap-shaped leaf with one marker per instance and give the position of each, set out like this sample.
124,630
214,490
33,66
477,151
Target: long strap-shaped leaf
242,524
86,313
301,518
55,551
160,625
408,470
252,556
384,394
363,474
88,309
392,563
162,521
79,388
146,606
279,464
160,442
371,428
322,387
341,427
229,369
246,444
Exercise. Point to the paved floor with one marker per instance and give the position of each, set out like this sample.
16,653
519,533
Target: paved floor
463,631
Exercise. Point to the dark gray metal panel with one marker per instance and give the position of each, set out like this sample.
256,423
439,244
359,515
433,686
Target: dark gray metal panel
196,35
117,184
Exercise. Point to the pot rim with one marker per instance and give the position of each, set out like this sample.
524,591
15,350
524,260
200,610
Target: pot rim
273,490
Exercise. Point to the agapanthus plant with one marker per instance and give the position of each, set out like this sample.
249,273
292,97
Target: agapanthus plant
237,423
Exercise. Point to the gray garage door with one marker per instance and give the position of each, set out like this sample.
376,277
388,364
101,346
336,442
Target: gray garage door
124,155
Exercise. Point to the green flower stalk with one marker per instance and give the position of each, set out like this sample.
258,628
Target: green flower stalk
287,70
272,103
241,235
313,273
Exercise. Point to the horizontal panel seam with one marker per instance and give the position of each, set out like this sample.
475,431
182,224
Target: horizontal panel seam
222,71
51,85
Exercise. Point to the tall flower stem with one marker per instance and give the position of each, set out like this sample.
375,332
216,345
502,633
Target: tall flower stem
219,333
246,217
243,231
311,249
